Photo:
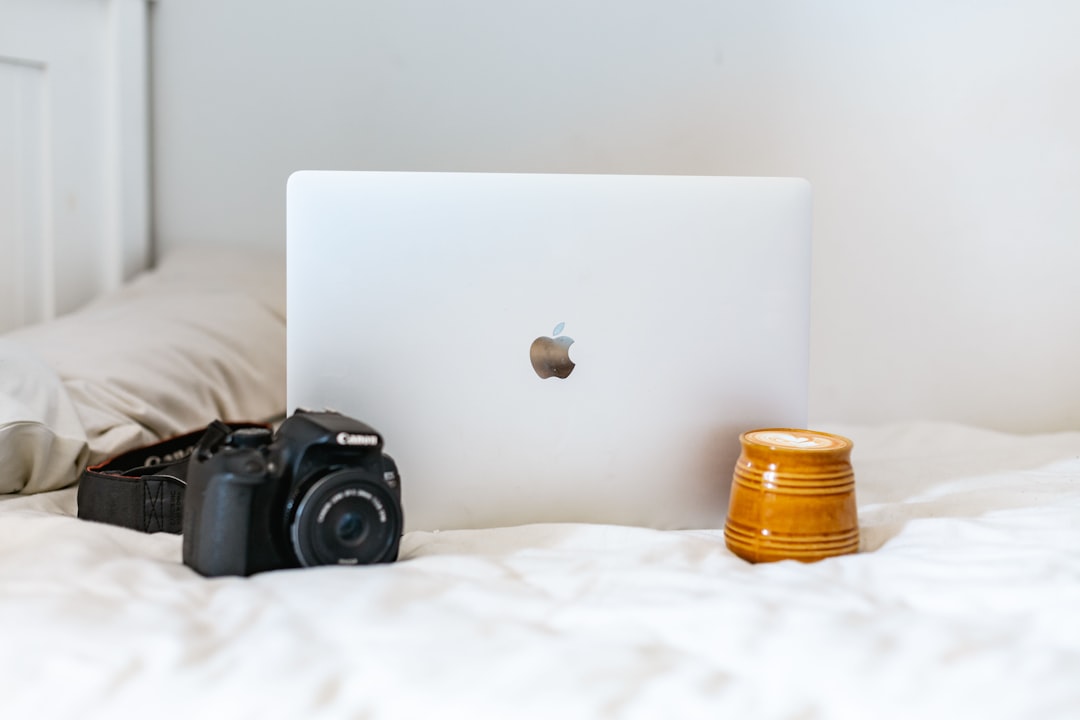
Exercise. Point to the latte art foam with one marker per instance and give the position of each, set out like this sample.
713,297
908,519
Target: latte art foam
795,439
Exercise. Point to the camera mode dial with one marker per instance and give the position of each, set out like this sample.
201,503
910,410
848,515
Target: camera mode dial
250,437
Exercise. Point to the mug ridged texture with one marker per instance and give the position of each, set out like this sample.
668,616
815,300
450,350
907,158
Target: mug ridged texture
792,503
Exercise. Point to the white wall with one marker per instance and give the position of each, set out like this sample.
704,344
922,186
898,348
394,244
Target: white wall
941,138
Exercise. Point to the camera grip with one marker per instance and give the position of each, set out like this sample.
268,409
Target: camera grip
216,531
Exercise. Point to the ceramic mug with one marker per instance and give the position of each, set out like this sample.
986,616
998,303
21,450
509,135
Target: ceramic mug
793,497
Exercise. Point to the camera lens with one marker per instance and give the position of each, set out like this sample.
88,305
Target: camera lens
346,519
350,529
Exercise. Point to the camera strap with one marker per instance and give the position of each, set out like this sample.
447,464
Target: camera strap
143,489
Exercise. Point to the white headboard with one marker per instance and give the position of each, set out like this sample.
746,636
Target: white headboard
941,141
74,170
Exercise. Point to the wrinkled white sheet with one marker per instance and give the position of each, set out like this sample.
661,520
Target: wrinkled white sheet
963,603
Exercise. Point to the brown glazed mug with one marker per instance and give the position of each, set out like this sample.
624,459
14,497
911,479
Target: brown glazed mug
793,497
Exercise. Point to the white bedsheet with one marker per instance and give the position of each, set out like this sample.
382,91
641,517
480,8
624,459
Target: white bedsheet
963,603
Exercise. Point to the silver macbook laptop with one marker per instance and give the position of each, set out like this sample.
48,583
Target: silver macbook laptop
552,348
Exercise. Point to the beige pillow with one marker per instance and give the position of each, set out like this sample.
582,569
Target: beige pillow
199,338
42,442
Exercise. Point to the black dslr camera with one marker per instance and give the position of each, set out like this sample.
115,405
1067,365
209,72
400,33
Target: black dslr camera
318,492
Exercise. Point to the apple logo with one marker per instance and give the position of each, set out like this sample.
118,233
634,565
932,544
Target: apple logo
551,355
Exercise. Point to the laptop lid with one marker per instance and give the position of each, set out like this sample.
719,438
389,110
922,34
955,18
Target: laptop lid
552,348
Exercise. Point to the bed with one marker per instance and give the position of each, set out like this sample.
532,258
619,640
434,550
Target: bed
964,600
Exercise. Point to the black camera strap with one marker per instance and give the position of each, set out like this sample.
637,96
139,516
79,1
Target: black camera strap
143,489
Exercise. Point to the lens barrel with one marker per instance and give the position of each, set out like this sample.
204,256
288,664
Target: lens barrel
346,518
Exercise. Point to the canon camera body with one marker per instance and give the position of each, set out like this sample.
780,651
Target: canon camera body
320,491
